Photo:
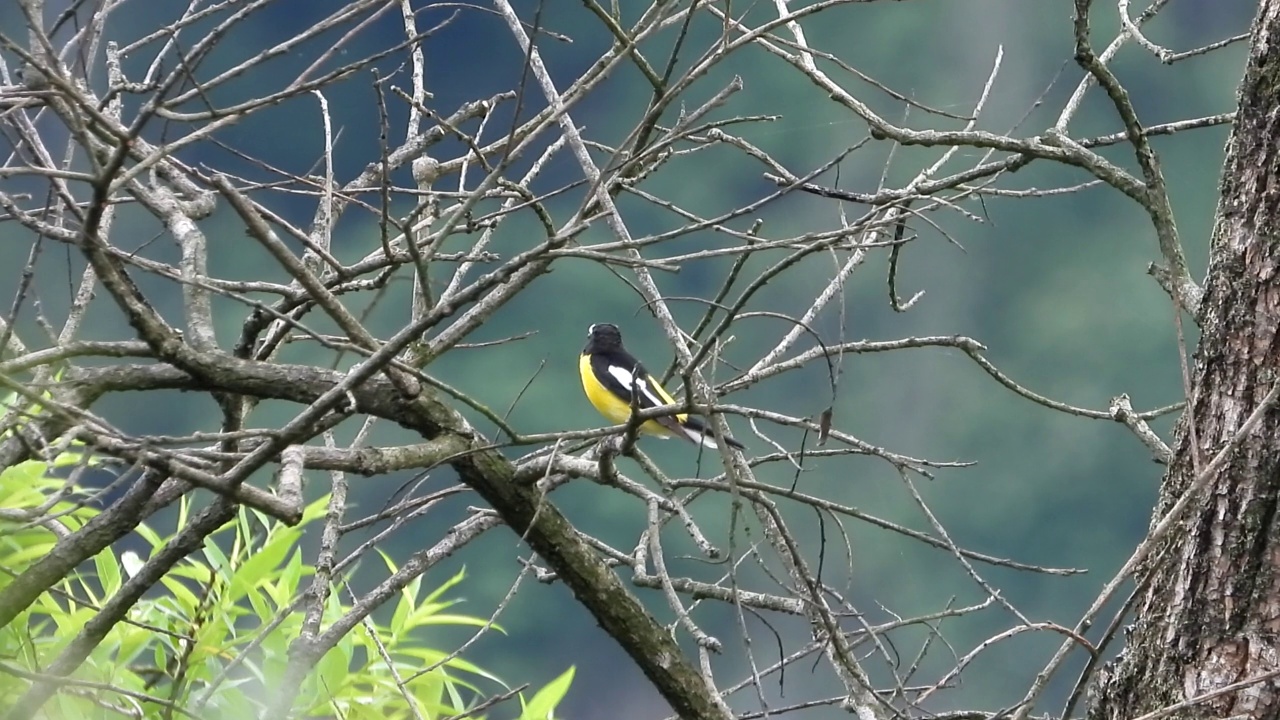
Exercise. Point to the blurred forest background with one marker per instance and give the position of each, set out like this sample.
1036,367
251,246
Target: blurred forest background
1055,287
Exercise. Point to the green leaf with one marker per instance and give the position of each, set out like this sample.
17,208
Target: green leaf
187,600
429,657
212,637
544,702
108,571
258,601
217,560
315,510
452,619
25,475
391,564
184,509
68,458
429,689
333,670
262,564
404,608
286,587
24,556
446,586
133,640
151,536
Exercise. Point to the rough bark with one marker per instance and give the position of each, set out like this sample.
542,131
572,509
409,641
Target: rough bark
1209,613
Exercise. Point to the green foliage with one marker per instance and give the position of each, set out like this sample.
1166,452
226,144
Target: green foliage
544,702
213,639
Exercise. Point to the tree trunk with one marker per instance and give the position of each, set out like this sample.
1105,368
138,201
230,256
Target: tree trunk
1208,614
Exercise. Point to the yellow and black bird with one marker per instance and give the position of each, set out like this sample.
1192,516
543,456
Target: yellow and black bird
612,378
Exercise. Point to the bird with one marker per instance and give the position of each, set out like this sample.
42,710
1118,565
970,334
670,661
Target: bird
612,377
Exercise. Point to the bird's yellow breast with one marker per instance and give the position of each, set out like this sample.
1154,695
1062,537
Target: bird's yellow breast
609,405
614,408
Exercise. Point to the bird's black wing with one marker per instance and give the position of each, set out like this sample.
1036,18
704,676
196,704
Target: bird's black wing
625,377
622,375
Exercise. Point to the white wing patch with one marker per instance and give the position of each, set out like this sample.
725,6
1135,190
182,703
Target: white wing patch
647,391
631,382
621,374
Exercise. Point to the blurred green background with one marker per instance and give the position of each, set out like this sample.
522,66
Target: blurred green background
1055,287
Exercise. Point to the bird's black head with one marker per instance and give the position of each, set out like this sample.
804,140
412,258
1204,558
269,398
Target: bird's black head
602,337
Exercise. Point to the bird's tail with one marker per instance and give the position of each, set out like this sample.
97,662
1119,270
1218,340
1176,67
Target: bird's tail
700,434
